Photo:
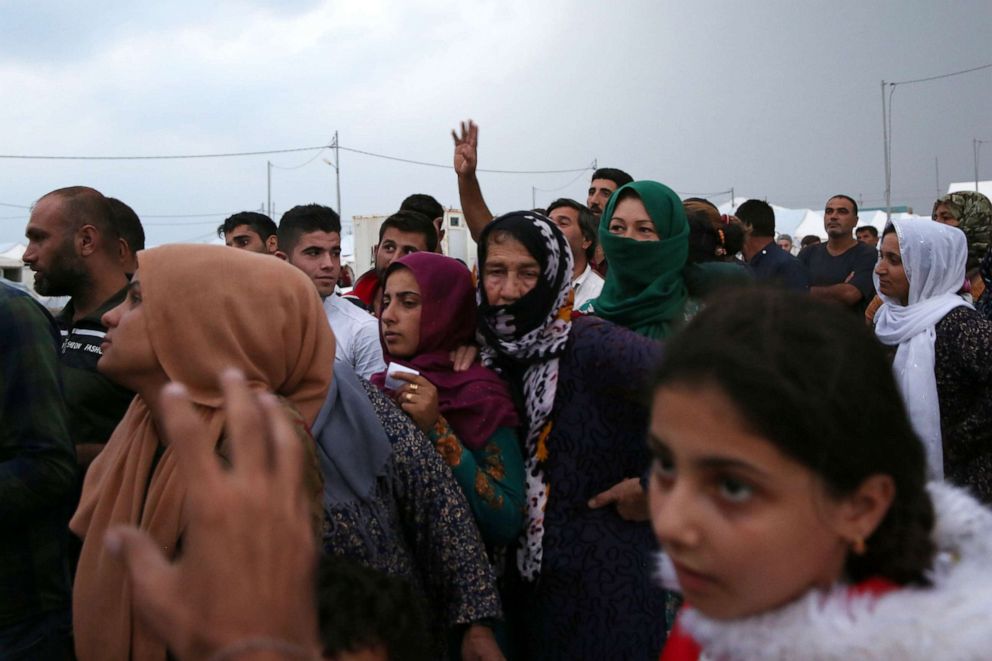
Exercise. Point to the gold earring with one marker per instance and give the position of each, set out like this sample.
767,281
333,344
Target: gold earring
858,546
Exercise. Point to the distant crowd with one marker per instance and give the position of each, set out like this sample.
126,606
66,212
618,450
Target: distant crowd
638,429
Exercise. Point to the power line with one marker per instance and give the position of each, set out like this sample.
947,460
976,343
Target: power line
156,157
450,167
14,206
704,195
554,190
303,164
183,215
161,157
943,75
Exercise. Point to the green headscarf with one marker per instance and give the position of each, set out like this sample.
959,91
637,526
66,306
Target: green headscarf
644,289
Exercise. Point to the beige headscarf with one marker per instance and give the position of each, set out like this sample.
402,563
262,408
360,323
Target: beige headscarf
208,308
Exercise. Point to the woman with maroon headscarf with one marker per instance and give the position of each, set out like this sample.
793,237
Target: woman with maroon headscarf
428,310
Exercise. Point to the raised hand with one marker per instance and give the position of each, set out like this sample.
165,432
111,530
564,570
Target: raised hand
466,149
244,582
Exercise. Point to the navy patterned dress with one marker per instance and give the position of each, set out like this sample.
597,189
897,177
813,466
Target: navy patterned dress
963,370
418,527
596,597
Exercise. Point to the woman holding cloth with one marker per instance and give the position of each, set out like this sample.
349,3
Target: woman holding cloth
173,328
429,310
943,361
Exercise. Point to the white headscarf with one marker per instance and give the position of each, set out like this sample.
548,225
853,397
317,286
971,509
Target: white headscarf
934,257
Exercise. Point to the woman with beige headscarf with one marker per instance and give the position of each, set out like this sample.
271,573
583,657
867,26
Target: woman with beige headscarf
191,313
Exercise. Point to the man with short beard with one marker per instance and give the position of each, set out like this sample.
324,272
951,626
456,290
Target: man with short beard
73,250
840,270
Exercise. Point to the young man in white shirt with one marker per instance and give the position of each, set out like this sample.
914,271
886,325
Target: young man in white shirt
578,224
310,240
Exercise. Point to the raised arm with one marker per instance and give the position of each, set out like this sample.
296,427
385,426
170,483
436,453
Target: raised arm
477,214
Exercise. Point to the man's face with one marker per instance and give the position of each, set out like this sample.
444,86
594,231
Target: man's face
395,244
839,218
599,192
567,220
866,237
318,254
245,238
51,252
785,244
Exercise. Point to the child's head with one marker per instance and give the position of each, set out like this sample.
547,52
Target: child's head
784,459
365,614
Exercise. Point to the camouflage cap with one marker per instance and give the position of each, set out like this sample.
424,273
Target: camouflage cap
974,214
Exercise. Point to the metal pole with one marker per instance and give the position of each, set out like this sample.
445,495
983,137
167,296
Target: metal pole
974,145
936,170
337,171
533,197
733,199
888,167
268,169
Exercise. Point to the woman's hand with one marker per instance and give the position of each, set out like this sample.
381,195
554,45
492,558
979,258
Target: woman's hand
479,644
418,399
245,578
464,357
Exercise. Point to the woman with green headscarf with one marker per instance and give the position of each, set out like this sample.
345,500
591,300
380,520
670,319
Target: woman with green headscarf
645,235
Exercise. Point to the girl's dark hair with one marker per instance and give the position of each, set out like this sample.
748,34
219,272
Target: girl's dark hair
812,379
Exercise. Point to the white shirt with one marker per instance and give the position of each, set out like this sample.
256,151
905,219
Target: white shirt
587,287
357,336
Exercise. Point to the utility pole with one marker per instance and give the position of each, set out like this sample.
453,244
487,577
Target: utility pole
936,172
337,170
268,171
888,165
533,197
976,143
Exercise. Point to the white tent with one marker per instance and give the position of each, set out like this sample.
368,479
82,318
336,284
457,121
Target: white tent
813,223
984,187
786,219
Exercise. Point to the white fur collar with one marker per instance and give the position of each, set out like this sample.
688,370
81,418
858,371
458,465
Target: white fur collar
952,620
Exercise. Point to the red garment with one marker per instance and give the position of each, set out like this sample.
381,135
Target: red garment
366,288
681,647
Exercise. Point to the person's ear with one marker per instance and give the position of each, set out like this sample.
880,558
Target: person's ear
122,249
862,511
272,244
87,239
281,255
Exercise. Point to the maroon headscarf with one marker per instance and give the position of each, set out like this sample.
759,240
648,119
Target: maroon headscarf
475,402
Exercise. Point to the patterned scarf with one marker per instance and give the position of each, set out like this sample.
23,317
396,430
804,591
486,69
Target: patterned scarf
973,212
531,333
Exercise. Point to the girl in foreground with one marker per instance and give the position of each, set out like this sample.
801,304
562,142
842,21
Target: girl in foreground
788,492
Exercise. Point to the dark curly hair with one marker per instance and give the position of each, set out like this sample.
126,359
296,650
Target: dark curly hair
360,608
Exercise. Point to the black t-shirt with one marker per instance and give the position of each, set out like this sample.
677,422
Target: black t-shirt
853,266
95,403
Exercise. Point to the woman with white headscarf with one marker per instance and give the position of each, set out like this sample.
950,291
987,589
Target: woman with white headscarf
943,362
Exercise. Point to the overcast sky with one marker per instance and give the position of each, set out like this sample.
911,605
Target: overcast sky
777,99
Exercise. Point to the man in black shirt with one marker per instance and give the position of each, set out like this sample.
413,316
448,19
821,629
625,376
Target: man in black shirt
840,269
73,249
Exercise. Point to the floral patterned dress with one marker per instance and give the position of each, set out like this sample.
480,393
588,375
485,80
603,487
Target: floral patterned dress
418,526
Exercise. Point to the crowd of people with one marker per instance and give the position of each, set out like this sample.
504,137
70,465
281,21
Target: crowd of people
638,429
